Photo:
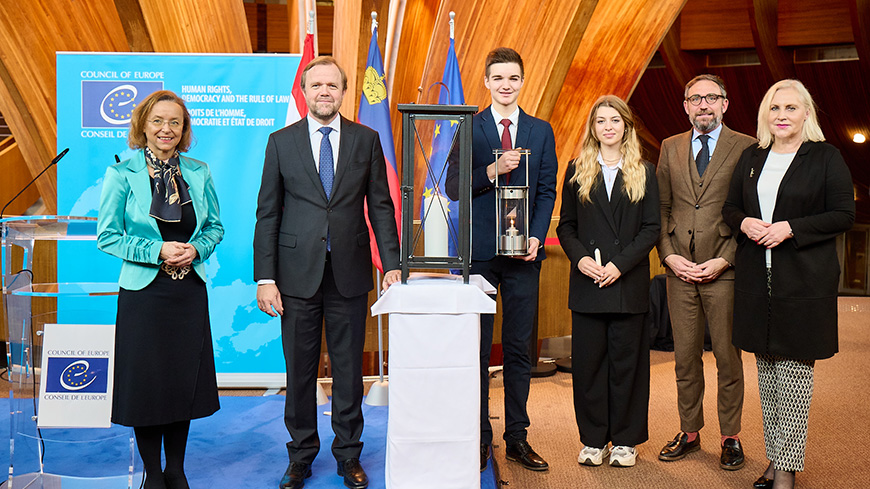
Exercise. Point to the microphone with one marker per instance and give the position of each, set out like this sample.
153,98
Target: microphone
53,162
117,159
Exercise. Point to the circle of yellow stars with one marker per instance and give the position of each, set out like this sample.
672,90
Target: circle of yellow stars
123,95
75,369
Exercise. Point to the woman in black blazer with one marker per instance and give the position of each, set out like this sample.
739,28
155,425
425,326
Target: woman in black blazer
790,197
608,224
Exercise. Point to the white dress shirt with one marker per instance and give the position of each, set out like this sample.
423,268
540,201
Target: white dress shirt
609,174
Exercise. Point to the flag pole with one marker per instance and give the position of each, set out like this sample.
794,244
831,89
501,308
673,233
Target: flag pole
378,392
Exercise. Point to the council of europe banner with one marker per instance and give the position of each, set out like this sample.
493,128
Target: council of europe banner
235,102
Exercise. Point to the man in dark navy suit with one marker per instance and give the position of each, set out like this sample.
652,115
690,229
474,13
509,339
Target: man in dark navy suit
312,262
505,125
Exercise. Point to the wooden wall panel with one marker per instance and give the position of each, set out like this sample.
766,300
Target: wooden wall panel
197,26
251,17
30,34
414,32
814,22
716,25
350,44
277,29
15,177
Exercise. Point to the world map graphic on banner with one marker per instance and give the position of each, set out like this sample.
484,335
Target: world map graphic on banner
235,102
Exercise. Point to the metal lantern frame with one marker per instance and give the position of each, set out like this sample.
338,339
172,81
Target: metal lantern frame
507,245
411,140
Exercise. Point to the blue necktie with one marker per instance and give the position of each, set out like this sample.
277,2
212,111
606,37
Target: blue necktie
327,172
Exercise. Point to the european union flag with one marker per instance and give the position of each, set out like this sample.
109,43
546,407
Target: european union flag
450,94
111,103
73,375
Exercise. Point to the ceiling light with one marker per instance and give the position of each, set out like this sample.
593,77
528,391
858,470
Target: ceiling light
858,137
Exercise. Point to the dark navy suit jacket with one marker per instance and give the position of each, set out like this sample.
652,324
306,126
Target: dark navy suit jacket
533,134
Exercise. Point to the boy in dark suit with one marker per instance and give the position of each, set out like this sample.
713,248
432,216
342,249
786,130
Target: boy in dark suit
504,125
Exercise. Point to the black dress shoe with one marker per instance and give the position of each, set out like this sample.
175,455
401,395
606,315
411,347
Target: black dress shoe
484,456
679,447
353,473
763,483
294,476
521,451
732,455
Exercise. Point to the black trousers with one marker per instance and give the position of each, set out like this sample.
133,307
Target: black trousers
344,320
517,281
610,356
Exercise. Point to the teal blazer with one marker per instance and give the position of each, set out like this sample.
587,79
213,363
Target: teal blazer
125,230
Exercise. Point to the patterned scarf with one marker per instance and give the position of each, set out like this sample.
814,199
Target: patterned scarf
170,189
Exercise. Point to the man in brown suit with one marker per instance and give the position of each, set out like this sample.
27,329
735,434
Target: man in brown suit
694,173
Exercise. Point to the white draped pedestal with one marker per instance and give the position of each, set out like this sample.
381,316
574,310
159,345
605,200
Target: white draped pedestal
433,433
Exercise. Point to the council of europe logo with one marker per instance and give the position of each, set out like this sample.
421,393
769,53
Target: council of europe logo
111,103
77,375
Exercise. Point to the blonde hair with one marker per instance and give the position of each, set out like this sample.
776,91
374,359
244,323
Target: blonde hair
811,130
586,166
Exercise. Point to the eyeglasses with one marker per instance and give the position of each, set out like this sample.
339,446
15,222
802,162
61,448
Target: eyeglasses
173,124
711,98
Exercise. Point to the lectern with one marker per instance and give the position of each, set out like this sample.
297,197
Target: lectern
50,458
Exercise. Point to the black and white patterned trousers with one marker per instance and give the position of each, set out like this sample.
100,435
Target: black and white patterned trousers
785,387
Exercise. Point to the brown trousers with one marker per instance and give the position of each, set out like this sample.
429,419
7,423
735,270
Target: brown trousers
690,306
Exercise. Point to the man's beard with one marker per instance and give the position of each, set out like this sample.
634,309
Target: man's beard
325,113
705,128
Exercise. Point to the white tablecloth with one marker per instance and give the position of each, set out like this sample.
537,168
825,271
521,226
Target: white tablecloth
433,432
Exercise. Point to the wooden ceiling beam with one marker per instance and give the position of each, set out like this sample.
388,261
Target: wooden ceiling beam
778,63
616,48
30,36
133,22
197,26
860,13
576,29
682,65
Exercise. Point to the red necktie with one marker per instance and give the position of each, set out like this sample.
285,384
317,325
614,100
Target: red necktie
506,143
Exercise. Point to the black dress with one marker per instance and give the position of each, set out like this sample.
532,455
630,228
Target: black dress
164,360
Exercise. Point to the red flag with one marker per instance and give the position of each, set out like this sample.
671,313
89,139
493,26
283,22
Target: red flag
300,108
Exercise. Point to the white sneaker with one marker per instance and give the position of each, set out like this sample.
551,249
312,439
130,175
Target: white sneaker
622,456
592,456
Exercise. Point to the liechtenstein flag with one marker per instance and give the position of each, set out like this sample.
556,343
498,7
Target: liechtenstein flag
374,111
451,94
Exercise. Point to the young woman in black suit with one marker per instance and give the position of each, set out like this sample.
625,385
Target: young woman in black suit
609,222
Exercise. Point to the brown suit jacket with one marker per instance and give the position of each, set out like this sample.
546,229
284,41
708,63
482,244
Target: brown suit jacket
692,224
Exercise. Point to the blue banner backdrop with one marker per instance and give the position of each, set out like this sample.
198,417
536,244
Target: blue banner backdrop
235,101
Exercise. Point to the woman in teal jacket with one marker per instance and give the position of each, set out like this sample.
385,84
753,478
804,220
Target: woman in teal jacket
159,213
